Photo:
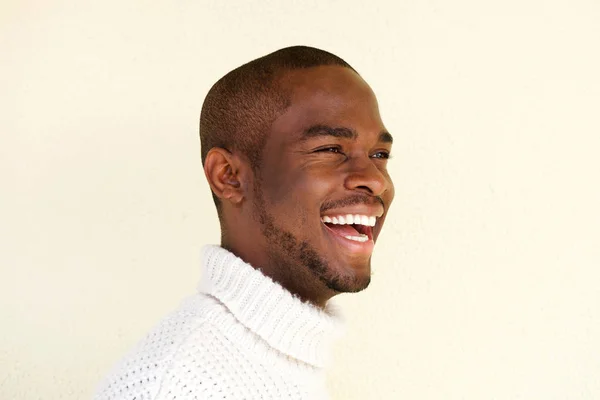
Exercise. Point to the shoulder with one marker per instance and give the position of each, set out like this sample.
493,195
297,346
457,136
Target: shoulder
140,374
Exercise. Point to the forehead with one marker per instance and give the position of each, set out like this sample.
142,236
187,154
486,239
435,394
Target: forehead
328,95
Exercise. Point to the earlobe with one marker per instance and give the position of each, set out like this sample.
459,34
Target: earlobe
222,170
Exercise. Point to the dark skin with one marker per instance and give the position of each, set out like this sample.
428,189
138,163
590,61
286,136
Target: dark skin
325,155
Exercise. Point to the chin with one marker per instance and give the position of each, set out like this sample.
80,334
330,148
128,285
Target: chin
349,278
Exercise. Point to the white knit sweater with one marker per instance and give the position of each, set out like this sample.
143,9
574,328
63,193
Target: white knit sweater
242,336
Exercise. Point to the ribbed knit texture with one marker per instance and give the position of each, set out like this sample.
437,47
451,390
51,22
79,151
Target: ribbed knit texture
242,336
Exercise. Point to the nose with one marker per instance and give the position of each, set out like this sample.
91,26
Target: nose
364,176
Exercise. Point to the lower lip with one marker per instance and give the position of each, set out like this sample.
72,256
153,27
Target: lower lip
352,245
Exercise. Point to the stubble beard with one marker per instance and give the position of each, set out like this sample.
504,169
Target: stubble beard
285,250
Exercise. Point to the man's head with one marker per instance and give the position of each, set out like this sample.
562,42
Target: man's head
292,146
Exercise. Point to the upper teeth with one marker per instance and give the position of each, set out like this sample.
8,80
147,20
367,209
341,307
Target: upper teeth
350,219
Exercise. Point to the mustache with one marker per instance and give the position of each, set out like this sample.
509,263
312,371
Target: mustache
353,200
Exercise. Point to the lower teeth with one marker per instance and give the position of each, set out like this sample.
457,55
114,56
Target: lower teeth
361,238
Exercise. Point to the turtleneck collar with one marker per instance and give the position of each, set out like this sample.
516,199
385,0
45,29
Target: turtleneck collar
289,325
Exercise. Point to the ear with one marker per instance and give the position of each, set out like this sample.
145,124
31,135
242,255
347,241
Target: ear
224,173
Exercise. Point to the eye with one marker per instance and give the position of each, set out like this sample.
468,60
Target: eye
382,154
329,149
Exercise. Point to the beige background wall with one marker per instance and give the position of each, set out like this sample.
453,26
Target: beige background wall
487,275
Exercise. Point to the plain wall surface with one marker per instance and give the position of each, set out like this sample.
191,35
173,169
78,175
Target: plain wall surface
486,276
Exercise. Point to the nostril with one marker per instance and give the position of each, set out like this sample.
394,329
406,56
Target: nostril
365,188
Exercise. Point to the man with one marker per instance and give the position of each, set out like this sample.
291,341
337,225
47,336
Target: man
295,153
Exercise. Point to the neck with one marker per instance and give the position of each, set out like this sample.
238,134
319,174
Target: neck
297,279
287,324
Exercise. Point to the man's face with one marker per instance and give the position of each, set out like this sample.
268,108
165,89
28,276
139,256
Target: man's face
323,190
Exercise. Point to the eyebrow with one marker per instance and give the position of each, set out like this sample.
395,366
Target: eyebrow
324,130
386,137
341,132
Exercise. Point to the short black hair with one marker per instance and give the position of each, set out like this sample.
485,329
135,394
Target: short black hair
240,108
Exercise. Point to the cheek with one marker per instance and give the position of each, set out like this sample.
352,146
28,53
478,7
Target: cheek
299,195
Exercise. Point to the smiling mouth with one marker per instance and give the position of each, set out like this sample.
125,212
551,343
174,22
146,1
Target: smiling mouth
356,228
